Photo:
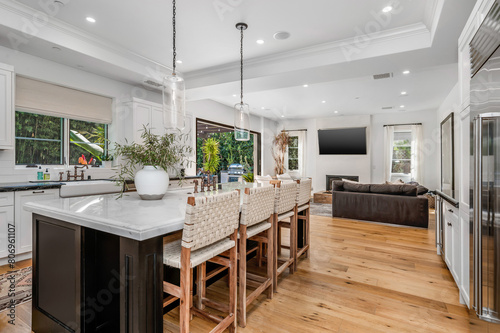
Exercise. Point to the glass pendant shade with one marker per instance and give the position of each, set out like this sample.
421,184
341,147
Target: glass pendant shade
174,109
242,122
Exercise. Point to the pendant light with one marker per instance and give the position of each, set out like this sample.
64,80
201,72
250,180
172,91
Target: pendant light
174,110
242,114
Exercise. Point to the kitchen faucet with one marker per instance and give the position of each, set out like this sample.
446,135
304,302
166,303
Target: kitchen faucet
75,175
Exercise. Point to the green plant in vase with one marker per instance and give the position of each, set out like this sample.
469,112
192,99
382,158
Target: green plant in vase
157,155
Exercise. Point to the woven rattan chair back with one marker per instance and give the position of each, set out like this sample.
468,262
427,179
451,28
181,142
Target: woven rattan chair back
285,197
210,219
258,205
304,192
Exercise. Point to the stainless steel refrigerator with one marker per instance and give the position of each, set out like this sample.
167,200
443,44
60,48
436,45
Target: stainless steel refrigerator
485,177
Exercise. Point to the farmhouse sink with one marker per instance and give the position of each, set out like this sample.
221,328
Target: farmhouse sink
88,187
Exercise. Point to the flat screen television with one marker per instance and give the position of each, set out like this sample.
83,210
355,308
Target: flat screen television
342,141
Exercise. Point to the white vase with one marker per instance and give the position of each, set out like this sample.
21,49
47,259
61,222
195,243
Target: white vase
151,182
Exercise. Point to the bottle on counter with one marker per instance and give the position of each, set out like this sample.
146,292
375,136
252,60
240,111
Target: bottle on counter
46,174
39,174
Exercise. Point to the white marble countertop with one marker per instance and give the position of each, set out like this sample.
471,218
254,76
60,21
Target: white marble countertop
128,217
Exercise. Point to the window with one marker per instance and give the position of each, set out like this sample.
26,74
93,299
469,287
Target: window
47,140
401,154
39,139
246,153
293,154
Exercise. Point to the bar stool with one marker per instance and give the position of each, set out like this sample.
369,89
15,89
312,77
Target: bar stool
210,228
255,224
303,209
284,209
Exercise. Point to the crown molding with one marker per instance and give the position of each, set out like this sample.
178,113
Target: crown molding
432,15
17,15
414,31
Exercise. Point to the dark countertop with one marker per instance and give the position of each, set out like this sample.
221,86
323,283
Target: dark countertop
27,186
447,197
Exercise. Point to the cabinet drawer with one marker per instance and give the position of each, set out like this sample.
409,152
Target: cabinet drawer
450,213
6,199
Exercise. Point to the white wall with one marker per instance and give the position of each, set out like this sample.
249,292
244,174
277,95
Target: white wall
430,144
318,166
370,167
214,111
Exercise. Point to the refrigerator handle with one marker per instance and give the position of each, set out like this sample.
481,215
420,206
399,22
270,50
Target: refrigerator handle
477,216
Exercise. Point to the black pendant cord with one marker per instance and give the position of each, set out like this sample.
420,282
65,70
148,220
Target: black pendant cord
241,63
174,35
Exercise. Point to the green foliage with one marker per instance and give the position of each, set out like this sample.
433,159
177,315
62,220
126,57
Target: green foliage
95,134
231,151
167,151
211,154
38,139
248,177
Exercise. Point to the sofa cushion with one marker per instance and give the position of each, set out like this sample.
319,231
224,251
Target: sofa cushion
421,190
406,190
337,185
356,187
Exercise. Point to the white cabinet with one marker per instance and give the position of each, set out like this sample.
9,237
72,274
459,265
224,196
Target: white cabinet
23,218
6,219
6,107
133,116
452,240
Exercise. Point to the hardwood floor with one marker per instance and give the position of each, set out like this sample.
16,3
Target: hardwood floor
361,277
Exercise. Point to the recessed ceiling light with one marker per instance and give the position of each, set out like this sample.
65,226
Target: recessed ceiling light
323,102
260,41
179,61
234,95
281,35
282,116
335,112
90,19
262,108
387,9
406,72
402,106
404,93
305,85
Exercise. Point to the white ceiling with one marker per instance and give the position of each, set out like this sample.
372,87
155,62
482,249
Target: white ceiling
335,47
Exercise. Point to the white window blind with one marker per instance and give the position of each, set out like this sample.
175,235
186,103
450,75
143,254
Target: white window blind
53,100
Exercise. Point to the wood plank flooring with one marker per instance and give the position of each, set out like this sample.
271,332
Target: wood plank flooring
361,277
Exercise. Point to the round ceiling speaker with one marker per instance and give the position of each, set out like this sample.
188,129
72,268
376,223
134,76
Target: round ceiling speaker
281,35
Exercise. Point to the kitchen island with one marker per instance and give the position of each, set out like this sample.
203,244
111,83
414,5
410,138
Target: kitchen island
98,262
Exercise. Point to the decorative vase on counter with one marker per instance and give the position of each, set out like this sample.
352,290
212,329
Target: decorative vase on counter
151,182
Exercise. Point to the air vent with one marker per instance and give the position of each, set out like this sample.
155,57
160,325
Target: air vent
153,83
382,76
387,108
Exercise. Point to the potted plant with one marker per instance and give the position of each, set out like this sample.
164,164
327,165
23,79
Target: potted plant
157,155
280,145
211,155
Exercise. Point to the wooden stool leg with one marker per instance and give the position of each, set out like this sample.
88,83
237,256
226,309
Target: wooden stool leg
270,260
275,253
293,242
259,254
308,231
279,238
233,281
201,284
185,308
242,296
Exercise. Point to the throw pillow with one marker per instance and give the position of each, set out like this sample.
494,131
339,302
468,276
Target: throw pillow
356,187
285,176
421,190
406,190
338,185
349,181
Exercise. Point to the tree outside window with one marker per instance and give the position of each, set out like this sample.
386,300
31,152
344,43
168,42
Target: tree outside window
293,153
401,156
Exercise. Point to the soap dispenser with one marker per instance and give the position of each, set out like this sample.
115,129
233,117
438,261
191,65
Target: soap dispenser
39,174
46,174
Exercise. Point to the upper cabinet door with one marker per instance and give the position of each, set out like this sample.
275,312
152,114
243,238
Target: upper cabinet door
6,108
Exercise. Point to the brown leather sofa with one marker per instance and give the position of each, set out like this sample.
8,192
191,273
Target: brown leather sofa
396,204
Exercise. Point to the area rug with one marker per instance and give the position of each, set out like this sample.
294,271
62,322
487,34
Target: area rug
22,280
321,209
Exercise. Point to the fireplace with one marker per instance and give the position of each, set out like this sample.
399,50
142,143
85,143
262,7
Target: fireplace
330,178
